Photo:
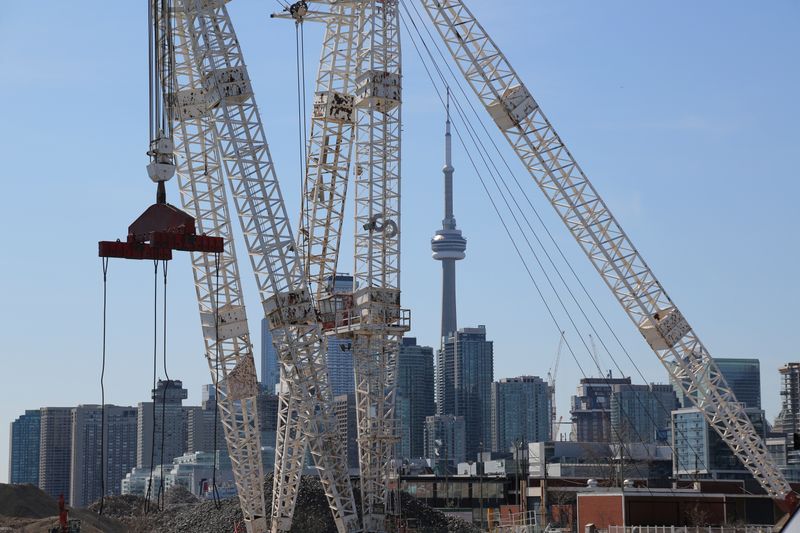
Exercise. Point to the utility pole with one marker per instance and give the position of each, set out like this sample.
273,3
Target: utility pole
480,481
446,477
543,504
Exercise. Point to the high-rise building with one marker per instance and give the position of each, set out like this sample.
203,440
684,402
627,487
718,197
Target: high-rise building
199,424
270,371
23,453
88,457
55,451
167,406
520,412
788,420
744,378
641,413
445,442
591,409
339,353
465,371
699,450
344,406
414,398
268,418
448,244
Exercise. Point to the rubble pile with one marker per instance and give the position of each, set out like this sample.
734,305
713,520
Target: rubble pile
429,520
182,512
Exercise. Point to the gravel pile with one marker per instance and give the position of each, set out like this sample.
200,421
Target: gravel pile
430,520
182,512
178,494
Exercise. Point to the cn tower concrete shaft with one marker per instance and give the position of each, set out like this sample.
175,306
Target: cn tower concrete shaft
448,244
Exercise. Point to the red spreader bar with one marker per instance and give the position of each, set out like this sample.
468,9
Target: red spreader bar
161,229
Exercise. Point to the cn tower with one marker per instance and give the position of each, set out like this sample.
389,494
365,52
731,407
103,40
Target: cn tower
447,244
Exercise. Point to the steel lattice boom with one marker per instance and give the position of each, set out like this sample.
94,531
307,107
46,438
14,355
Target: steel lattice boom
587,217
222,95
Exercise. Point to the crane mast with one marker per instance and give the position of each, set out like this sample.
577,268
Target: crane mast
376,298
224,96
555,171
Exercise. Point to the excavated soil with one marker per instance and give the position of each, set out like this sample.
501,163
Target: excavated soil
25,508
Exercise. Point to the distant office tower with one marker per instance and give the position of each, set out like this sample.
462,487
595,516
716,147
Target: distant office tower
448,244
199,424
445,442
788,420
23,453
591,409
464,383
701,453
744,378
641,413
268,418
344,406
414,400
339,354
270,371
88,457
167,403
55,451
520,412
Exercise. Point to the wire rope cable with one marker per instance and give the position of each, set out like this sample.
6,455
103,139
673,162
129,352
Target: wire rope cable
104,262
148,491
481,151
167,384
214,490
481,148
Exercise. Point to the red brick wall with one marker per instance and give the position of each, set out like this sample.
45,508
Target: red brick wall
600,510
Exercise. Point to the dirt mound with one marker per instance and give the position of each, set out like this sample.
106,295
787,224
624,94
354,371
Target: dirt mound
312,513
178,494
26,501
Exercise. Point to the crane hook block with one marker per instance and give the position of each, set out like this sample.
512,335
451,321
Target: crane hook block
158,231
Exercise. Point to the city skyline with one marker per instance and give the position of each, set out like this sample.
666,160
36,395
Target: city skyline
726,260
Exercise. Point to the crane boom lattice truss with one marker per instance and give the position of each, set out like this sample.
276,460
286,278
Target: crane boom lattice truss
329,147
357,99
220,92
325,190
555,171
228,348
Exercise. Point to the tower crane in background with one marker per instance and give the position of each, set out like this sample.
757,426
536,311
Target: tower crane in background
553,168
551,389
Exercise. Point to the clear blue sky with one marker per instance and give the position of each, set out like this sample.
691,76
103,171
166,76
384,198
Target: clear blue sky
684,114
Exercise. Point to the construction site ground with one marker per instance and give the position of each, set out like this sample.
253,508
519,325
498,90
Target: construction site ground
26,508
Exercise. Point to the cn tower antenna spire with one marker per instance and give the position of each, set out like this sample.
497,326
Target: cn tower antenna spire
448,244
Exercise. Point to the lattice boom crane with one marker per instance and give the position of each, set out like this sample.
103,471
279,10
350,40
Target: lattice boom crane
588,218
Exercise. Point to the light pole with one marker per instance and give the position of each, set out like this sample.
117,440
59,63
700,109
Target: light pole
480,481
517,448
